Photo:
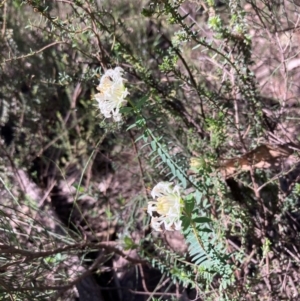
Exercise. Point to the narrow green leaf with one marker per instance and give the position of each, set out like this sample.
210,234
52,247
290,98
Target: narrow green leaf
131,126
153,145
198,196
189,207
141,102
125,109
201,220
207,230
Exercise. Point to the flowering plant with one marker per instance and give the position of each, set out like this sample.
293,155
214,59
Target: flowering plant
168,205
112,93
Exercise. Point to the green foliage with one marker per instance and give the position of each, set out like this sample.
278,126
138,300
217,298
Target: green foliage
192,72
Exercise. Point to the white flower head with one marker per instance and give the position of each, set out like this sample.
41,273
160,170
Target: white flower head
168,205
112,93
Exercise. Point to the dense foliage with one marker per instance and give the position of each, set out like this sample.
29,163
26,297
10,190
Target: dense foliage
123,121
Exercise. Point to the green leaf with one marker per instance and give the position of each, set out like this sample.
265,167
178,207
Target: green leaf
79,188
153,145
172,167
206,230
141,137
129,243
182,178
198,196
189,207
141,102
125,110
131,126
201,220
186,221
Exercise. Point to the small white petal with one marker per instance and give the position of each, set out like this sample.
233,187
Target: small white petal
178,225
156,224
162,188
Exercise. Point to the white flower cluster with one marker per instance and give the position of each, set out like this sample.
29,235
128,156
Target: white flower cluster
112,93
168,205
